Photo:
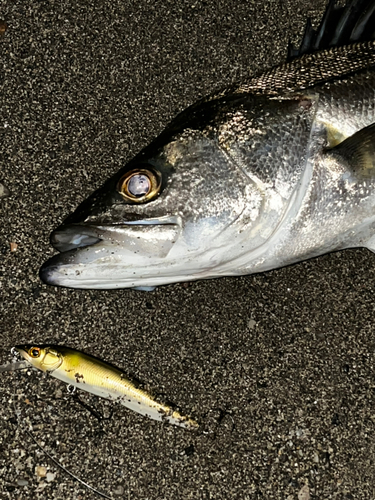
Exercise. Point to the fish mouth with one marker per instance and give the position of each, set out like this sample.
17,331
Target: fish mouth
79,235
94,255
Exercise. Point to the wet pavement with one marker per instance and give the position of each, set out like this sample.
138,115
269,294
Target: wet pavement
278,368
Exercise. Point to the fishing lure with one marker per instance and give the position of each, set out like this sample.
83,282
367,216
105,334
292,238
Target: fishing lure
100,378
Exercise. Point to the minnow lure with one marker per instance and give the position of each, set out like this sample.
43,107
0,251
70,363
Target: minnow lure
100,378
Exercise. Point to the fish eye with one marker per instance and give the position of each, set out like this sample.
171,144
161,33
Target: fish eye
34,352
140,185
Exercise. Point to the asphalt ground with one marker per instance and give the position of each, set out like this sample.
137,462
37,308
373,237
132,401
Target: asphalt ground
278,368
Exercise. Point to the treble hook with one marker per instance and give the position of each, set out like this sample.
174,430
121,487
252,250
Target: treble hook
72,391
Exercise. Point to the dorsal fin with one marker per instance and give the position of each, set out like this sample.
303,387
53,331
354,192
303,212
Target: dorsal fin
354,22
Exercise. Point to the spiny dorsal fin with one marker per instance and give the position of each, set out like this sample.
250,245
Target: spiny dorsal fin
351,23
358,152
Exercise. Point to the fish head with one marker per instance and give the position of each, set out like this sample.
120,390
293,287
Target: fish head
174,213
44,358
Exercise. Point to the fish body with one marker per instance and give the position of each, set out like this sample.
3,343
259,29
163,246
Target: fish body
261,175
102,379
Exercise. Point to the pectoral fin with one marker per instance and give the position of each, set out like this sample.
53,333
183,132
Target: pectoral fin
357,152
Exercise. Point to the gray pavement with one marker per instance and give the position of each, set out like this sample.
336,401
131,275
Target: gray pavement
278,368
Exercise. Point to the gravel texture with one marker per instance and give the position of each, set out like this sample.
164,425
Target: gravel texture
277,367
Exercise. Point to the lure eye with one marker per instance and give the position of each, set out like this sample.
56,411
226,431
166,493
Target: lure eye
140,185
34,352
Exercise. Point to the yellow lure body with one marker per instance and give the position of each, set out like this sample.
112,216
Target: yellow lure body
102,379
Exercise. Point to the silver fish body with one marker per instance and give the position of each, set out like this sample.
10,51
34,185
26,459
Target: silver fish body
274,171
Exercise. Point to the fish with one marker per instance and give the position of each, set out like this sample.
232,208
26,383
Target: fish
275,170
97,377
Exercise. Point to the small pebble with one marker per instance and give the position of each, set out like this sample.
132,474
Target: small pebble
22,482
4,191
251,324
119,490
41,471
304,493
3,27
50,476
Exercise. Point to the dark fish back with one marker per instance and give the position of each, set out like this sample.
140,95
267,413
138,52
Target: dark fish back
310,70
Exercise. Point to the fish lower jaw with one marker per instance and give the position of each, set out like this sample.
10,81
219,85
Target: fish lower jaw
122,271
153,263
76,278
